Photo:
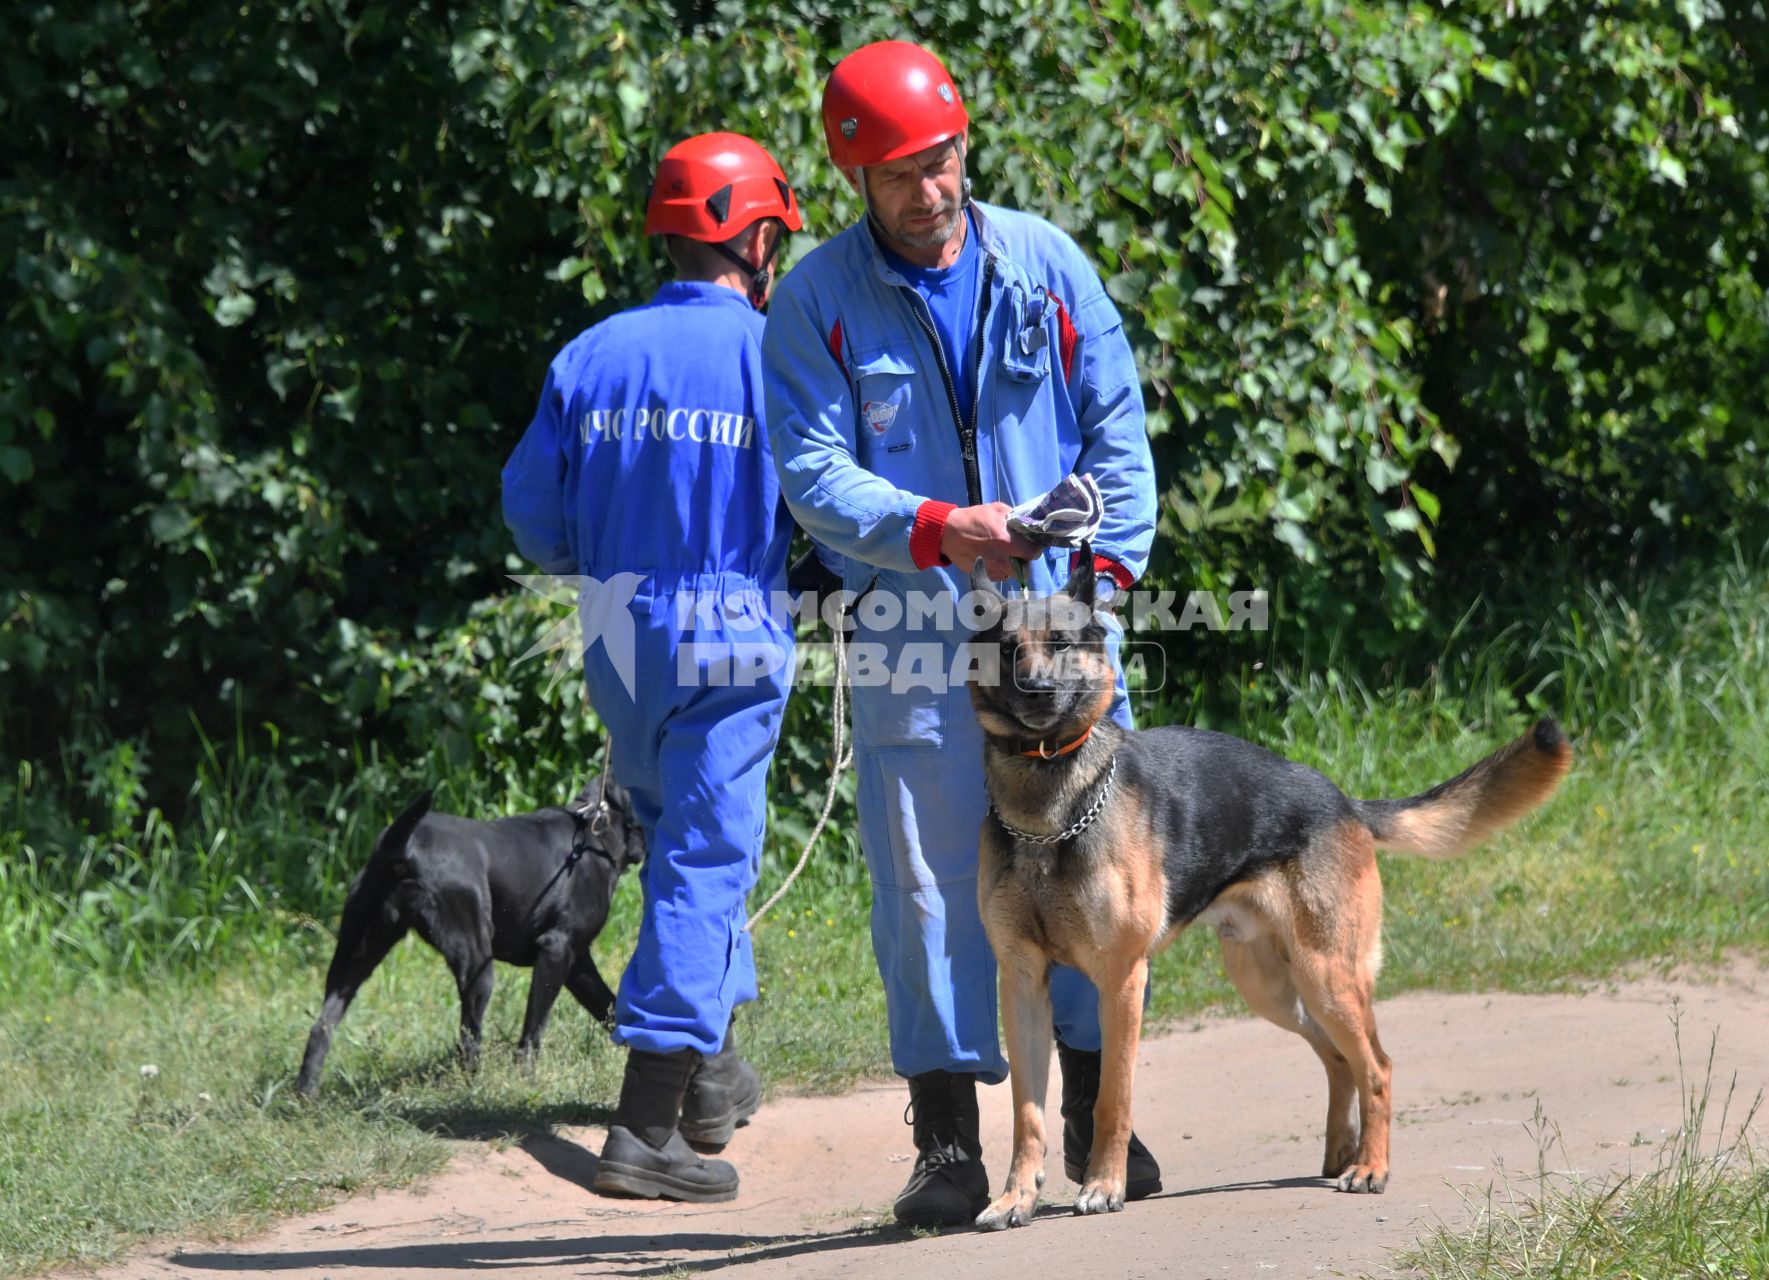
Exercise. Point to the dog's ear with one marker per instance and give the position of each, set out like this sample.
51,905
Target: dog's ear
632,834
979,581
1084,580
984,605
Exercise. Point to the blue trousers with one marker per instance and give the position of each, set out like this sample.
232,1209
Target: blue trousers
693,748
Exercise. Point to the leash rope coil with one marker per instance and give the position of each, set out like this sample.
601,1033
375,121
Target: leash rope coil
839,732
1075,828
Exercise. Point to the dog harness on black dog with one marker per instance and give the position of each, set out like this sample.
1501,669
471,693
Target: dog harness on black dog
579,846
591,821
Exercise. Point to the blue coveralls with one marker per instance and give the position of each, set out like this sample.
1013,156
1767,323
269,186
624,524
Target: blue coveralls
870,454
647,468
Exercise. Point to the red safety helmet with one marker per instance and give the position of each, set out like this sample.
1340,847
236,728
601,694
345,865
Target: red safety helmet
886,101
712,186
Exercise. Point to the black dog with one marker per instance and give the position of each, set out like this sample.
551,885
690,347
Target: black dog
530,890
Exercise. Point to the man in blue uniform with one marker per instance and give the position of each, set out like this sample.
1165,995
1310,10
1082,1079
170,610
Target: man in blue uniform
647,471
926,369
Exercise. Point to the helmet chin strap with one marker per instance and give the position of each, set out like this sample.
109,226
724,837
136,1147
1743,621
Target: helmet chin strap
866,199
758,275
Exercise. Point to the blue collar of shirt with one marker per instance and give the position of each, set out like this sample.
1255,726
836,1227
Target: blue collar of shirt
693,292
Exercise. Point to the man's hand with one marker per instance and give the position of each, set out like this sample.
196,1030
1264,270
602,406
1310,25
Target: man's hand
973,532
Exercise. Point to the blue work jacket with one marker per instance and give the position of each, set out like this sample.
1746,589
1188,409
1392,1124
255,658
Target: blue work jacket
649,452
866,430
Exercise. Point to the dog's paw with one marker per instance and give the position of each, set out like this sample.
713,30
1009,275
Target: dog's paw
1099,1196
1362,1179
1010,1209
1338,1162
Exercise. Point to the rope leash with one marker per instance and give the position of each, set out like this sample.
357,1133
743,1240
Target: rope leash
839,734
598,814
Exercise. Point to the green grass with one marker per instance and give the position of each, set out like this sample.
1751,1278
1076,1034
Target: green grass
93,1156
94,1153
199,948
1701,1209
1656,848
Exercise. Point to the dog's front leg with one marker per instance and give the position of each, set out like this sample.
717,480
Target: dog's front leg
1025,1015
585,983
551,960
1120,1016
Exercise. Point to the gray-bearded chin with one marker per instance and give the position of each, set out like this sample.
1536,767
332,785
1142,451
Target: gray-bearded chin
928,239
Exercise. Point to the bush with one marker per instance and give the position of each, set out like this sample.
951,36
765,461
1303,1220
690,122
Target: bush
1416,294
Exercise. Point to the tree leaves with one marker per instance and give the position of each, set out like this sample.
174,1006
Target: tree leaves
1410,287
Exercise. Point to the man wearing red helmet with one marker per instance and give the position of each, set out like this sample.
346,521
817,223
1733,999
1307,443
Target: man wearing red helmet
927,369
647,471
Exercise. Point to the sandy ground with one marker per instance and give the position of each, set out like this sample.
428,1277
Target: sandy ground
1232,1108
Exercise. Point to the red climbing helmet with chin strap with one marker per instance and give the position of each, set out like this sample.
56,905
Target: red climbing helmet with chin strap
712,186
888,100
716,185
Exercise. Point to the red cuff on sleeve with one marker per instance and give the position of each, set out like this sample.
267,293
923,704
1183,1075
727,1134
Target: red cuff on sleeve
928,529
1108,566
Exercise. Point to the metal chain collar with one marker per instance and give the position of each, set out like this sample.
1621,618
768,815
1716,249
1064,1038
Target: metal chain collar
1075,828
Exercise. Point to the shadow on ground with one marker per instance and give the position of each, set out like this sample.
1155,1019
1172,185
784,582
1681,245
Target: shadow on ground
655,1253
462,1116
649,1254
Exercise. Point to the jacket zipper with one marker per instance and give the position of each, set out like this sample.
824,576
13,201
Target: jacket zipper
967,437
971,473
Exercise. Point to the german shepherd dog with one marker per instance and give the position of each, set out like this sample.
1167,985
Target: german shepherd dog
1101,845
532,889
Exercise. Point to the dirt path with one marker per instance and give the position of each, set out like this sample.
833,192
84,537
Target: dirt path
1233,1109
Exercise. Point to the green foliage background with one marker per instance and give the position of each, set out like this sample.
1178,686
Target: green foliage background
1425,298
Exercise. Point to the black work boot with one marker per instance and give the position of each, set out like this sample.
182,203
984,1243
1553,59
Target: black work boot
948,1187
645,1155
1081,1068
723,1094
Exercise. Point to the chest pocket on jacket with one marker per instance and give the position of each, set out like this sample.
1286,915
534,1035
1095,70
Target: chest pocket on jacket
1025,349
885,393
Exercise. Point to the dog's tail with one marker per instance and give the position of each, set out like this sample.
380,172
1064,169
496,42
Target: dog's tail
1454,816
390,846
